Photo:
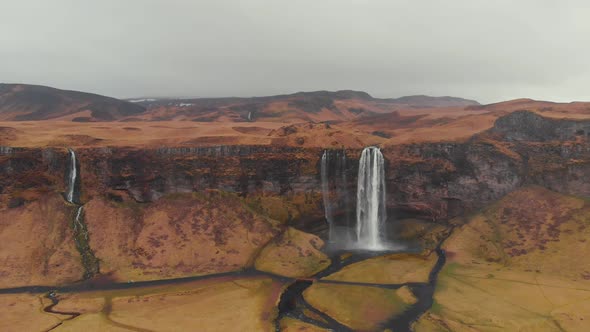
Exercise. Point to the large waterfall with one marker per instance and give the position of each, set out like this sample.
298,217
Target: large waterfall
370,206
71,194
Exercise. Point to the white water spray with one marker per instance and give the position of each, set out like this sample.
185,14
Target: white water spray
370,208
73,177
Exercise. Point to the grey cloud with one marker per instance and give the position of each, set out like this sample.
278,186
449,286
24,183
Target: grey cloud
487,50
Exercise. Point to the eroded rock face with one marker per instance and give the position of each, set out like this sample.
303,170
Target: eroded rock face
530,126
443,180
147,174
434,181
29,174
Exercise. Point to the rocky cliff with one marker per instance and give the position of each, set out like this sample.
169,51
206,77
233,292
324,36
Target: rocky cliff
169,212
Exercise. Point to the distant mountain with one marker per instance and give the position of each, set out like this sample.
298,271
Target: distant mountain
301,106
22,102
422,101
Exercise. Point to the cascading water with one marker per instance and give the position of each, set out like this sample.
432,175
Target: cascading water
78,219
70,196
326,195
81,237
335,193
370,206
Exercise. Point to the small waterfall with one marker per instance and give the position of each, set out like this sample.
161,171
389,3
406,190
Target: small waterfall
6,150
370,208
326,195
82,240
335,193
78,220
71,194
77,223
343,190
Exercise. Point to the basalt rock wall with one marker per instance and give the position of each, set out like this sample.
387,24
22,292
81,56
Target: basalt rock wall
173,212
436,181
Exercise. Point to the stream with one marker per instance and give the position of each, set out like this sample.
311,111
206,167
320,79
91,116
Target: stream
49,309
293,304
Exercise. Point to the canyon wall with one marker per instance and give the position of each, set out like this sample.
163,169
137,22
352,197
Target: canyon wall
170,212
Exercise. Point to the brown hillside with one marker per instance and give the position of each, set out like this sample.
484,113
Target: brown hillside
22,102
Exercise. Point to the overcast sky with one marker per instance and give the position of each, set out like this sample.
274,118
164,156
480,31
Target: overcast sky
481,49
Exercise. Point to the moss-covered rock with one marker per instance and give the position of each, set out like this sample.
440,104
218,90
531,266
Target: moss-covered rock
294,254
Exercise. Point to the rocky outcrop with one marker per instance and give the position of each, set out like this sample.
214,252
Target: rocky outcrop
444,180
29,174
530,126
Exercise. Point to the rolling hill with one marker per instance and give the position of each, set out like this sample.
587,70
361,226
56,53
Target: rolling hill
317,106
22,102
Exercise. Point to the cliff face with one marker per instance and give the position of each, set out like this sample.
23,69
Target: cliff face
445,180
157,213
530,126
433,180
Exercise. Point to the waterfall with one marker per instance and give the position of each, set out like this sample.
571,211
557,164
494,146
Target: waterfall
79,226
335,194
343,191
370,207
82,240
77,223
73,177
326,195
